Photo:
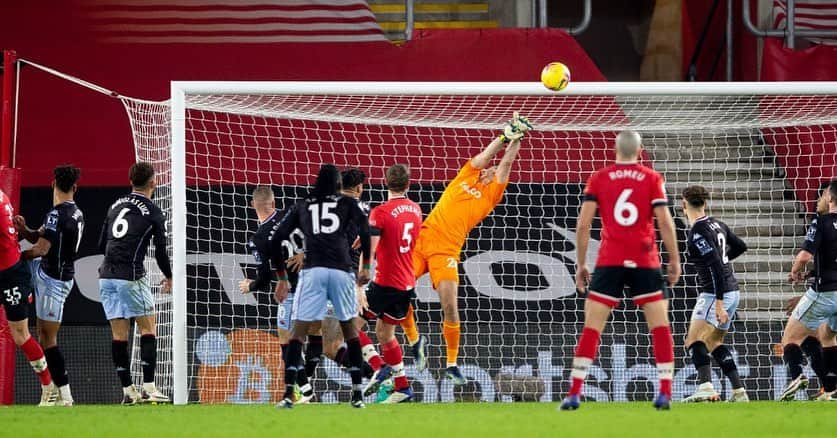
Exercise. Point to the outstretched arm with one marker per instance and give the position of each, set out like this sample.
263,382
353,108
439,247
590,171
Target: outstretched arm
505,167
483,159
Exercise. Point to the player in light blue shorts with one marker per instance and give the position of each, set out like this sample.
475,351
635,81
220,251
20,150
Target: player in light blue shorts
126,299
317,287
819,304
815,308
50,294
705,309
711,246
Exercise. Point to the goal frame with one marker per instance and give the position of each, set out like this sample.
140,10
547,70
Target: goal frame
180,89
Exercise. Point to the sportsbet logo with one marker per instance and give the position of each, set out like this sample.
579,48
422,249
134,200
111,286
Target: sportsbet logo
243,367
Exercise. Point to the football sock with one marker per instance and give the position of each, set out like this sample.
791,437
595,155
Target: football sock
394,357
370,355
341,357
293,364
355,361
814,352
366,370
55,363
664,356
700,359
451,333
723,357
409,326
829,355
284,353
793,360
35,355
585,353
148,357
122,362
313,351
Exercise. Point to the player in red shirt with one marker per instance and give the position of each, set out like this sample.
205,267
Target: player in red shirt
15,290
629,196
390,293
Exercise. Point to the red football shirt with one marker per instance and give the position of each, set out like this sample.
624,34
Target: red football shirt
626,195
9,248
399,221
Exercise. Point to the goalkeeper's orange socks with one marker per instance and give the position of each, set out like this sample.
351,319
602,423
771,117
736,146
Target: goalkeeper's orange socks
451,332
664,356
585,353
409,326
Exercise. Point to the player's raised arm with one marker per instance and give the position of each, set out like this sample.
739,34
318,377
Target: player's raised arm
514,130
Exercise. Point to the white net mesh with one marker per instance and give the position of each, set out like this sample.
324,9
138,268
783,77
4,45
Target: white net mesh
151,126
762,158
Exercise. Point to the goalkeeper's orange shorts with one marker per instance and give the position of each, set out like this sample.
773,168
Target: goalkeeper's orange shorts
433,254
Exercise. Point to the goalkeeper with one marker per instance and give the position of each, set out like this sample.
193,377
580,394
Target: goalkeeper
467,200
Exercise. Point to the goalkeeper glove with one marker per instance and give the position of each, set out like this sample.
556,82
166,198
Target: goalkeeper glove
516,128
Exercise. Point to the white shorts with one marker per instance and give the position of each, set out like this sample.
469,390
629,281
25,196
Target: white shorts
50,294
815,308
124,299
705,308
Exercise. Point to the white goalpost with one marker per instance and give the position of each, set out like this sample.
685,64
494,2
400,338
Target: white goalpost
762,150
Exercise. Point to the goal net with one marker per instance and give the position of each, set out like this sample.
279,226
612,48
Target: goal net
762,152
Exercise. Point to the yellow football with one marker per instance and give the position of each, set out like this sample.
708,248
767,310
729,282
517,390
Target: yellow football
555,76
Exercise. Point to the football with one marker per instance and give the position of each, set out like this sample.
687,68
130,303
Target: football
555,76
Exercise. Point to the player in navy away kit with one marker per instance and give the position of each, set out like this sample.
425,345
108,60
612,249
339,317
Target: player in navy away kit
629,196
259,245
812,346
389,295
711,245
324,216
15,291
819,304
132,222
56,243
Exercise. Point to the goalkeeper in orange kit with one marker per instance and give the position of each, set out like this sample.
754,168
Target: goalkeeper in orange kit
467,200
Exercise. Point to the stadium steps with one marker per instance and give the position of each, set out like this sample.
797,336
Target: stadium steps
748,192
439,14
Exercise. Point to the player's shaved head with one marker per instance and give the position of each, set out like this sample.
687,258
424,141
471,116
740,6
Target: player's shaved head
832,189
141,175
695,196
263,195
398,178
628,144
66,177
328,181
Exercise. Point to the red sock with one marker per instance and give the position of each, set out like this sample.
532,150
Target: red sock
395,358
585,353
664,356
35,355
369,354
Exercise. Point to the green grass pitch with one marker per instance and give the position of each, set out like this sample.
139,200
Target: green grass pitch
456,420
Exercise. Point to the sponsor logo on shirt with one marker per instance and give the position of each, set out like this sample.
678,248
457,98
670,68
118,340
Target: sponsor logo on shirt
470,190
